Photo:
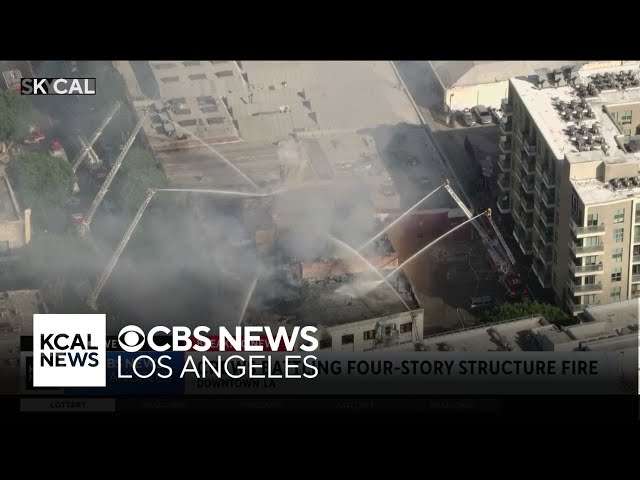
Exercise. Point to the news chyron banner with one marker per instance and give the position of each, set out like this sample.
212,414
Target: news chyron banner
71,355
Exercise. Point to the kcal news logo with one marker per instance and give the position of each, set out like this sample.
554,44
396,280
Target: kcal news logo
69,350
58,86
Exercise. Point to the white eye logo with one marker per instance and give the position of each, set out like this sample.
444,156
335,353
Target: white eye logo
131,338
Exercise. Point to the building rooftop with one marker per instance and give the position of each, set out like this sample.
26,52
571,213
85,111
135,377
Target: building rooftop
594,191
8,206
607,327
618,313
247,110
329,303
461,73
541,105
502,336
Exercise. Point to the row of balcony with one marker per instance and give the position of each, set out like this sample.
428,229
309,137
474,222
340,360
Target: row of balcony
543,253
504,182
505,144
542,273
581,251
506,125
523,239
548,199
588,231
579,270
581,289
576,307
504,162
544,234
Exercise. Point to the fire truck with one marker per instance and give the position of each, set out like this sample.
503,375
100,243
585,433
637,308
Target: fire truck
35,135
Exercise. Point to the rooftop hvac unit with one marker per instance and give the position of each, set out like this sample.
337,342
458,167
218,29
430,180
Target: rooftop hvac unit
624,182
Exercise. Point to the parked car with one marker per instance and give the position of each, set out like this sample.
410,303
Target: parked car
34,136
483,114
478,303
466,118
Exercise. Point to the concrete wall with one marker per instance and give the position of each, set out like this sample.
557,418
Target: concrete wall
468,96
431,224
616,113
358,329
605,215
16,232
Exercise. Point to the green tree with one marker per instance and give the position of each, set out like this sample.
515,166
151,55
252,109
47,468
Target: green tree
507,311
15,114
133,188
40,179
137,159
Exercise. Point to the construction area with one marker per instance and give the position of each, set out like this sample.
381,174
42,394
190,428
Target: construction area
300,185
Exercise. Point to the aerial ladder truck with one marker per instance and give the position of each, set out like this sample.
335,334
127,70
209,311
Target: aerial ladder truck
86,221
93,157
498,251
86,148
104,276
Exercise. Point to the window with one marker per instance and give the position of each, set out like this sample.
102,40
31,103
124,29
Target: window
636,250
637,210
590,280
635,270
617,255
616,276
635,289
369,335
618,216
625,118
325,343
406,327
589,299
555,256
574,202
592,220
557,219
618,235
591,260
555,235
636,234
615,294
591,241
347,339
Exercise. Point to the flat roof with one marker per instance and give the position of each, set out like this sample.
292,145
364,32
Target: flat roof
460,73
594,192
620,313
326,106
540,103
330,303
488,338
